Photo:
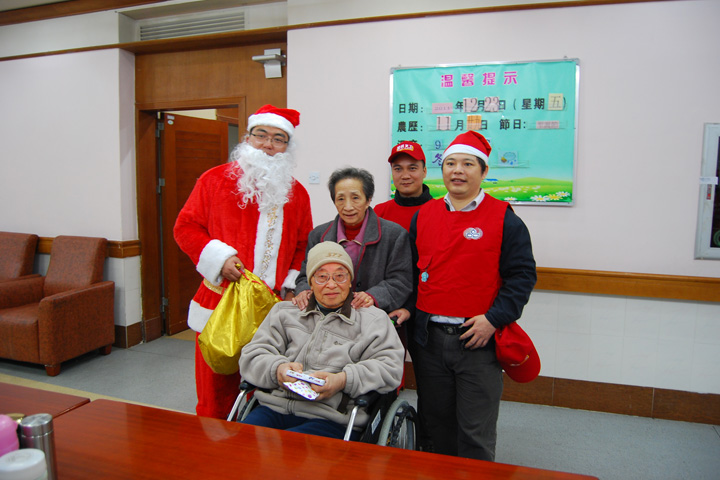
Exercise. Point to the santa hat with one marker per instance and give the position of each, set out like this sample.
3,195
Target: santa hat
516,353
285,119
471,143
409,148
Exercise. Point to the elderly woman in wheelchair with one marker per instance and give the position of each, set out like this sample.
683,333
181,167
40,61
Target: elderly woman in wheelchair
349,351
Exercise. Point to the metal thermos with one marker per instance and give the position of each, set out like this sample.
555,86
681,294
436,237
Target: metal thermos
36,431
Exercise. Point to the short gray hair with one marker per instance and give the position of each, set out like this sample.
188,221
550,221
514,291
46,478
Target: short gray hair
365,177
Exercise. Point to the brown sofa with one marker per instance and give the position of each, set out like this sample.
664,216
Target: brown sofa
17,254
60,316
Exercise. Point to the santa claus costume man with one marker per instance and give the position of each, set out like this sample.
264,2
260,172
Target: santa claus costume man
249,213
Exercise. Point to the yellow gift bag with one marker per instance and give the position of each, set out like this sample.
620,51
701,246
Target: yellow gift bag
234,321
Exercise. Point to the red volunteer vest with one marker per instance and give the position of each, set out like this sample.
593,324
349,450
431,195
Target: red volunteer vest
459,257
396,213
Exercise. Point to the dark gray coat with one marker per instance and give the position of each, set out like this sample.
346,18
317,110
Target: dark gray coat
385,266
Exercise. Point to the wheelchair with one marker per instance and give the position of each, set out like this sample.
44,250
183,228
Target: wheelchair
392,420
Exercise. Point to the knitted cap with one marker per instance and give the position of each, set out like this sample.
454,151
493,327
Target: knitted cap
327,252
471,143
285,119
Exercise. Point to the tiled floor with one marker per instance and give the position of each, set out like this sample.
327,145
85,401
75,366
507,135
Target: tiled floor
608,446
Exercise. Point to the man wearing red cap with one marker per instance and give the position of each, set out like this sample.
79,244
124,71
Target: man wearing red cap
248,213
407,161
476,272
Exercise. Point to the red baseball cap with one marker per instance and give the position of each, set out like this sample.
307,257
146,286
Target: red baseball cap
409,148
516,353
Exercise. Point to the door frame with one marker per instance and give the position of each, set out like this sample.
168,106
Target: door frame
148,205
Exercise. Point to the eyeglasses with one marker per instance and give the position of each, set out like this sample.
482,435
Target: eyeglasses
276,141
338,277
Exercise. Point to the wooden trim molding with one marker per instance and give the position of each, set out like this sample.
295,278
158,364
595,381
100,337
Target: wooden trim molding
79,7
126,249
699,289
192,104
116,249
44,245
65,9
182,44
702,289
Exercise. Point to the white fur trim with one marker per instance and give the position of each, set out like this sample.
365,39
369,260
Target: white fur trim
291,280
198,316
262,242
460,148
271,120
212,259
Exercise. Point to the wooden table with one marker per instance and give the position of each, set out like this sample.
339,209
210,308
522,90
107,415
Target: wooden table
29,401
107,439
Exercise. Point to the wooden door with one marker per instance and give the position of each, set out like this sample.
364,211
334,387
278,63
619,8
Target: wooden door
188,147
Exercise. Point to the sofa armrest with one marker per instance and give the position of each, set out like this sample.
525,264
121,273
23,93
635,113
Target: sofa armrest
21,291
74,322
22,277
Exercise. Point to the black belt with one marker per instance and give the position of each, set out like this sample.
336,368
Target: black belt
450,328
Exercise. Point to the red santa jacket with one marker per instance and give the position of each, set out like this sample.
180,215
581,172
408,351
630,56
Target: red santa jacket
212,227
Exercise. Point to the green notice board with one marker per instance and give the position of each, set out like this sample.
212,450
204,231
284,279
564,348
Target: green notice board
527,111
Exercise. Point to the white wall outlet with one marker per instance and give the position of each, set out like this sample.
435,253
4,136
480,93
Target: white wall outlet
314,177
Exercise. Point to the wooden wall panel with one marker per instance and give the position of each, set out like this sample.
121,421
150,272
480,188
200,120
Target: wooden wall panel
168,78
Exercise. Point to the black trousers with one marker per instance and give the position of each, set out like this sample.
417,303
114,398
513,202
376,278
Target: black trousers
459,394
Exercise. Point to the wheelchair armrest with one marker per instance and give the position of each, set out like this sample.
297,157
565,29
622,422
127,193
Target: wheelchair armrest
367,399
364,401
245,389
246,385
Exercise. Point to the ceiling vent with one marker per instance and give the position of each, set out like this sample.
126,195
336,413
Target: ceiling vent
218,21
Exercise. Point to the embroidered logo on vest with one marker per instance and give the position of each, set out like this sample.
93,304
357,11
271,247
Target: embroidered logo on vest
473,233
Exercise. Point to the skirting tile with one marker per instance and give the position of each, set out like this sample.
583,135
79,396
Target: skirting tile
539,391
603,397
608,397
687,406
153,328
126,337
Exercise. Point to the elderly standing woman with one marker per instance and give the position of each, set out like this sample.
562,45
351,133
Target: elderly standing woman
380,249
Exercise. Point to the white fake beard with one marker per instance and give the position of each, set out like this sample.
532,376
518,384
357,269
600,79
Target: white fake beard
264,179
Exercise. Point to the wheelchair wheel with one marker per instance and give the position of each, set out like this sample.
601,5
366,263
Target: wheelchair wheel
398,427
247,408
